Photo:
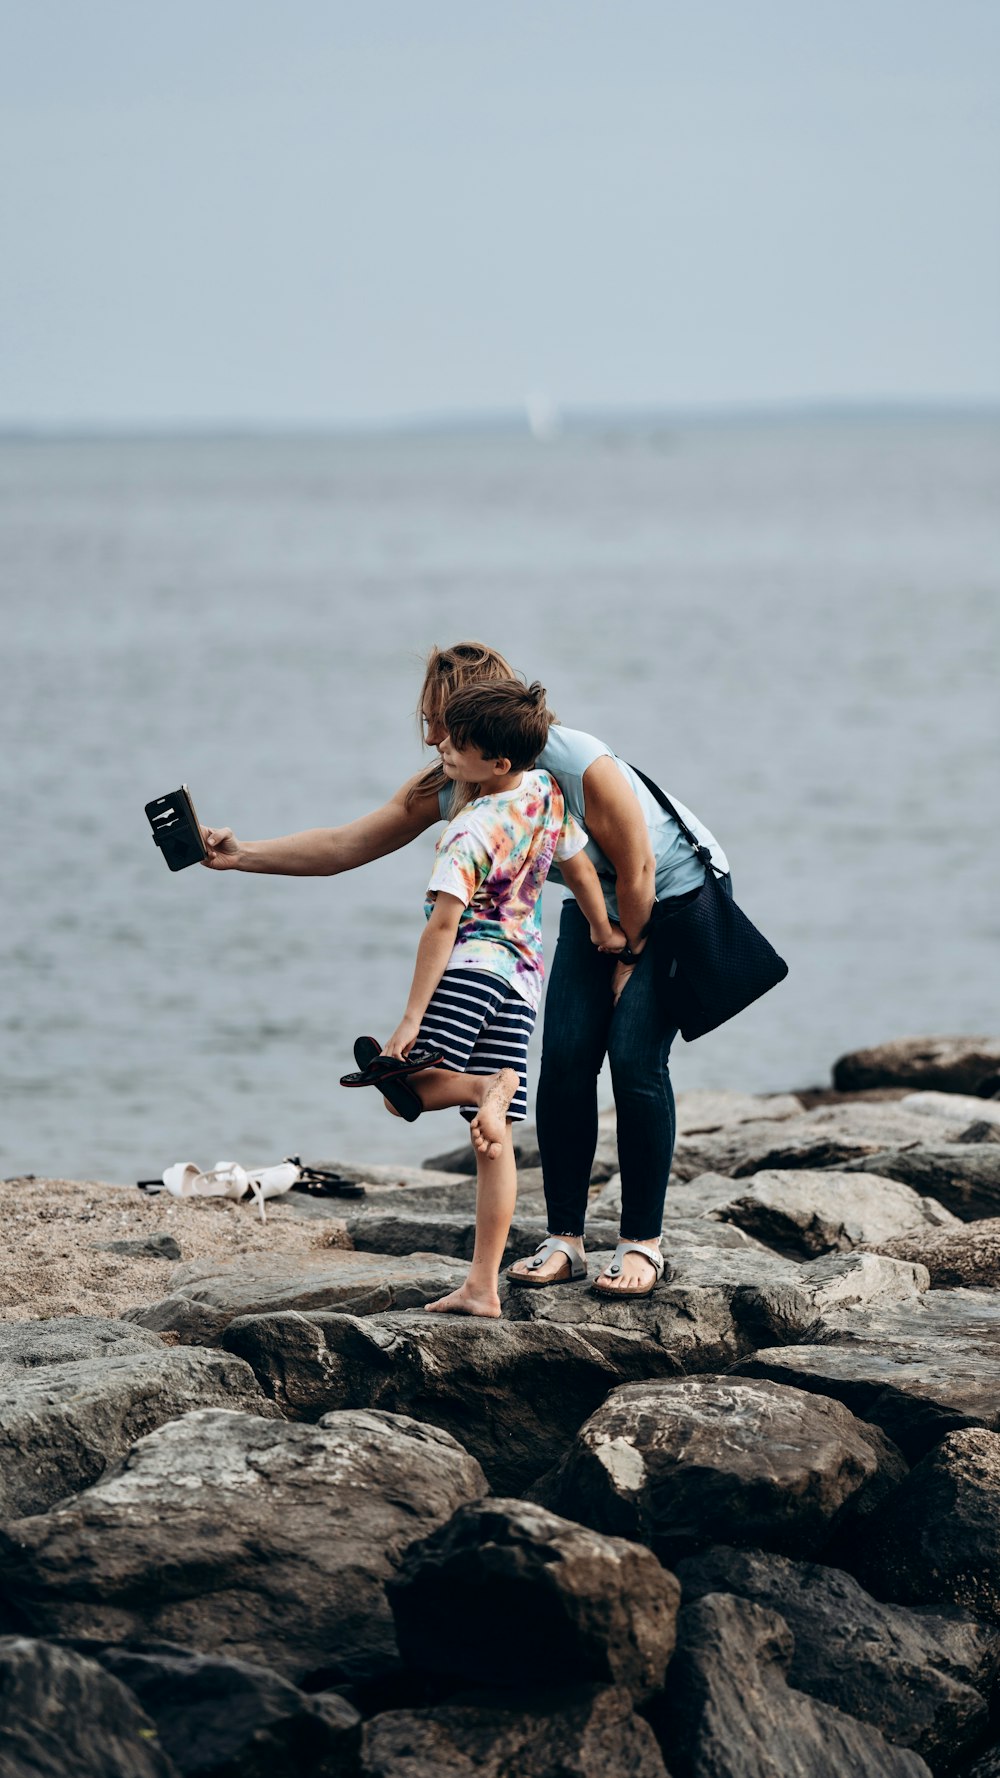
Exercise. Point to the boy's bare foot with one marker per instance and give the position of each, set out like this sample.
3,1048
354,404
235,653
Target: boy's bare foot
556,1266
490,1121
467,1301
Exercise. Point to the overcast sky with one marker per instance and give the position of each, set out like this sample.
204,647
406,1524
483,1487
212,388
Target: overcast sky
322,211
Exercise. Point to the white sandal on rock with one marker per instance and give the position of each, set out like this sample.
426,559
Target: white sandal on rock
554,1244
613,1270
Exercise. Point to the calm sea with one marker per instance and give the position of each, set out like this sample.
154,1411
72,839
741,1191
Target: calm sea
792,623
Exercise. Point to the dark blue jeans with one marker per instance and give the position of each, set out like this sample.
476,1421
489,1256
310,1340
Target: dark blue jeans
582,1025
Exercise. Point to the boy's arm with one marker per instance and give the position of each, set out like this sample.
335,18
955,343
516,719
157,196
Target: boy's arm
579,875
437,941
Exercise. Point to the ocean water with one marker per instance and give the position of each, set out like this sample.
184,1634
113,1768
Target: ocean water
792,623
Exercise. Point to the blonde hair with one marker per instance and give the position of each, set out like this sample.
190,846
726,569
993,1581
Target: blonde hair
451,670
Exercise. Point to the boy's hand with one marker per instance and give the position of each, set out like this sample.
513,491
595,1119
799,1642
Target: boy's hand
223,848
403,1038
609,947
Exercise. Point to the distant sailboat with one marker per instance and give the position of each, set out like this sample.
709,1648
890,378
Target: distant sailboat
543,417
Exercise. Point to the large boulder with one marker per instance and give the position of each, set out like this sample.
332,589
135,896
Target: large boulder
814,1211
961,1109
514,1394
713,1108
729,1711
244,1537
923,1678
218,1718
206,1295
62,1716
66,1339
967,1253
917,1370
829,1136
439,1231
949,1064
937,1540
683,1464
586,1732
61,1424
561,1600
964,1177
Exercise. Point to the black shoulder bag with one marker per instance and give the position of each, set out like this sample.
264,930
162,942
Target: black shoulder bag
709,961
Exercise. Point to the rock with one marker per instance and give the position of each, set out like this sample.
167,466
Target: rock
964,1177
937,1539
246,1538
62,1424
589,1732
830,1136
712,1108
948,1064
924,1679
918,1370
513,1394
968,1254
435,1231
61,1716
208,1294
563,1600
683,1464
67,1339
144,1247
729,1711
962,1109
463,1159
816,1211
219,1718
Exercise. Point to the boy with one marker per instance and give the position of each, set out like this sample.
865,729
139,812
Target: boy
478,975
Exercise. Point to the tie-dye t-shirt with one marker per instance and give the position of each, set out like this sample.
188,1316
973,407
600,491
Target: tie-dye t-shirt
494,856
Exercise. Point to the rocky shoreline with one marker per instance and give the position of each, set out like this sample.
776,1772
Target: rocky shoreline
260,1514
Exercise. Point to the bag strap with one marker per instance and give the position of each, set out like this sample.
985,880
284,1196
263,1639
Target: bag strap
701,852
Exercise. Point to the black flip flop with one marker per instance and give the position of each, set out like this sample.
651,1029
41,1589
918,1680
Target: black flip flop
389,1078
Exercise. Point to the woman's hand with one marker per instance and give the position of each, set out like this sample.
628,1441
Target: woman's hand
403,1038
223,848
609,947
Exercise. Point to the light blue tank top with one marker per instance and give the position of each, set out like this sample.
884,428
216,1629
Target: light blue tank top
567,754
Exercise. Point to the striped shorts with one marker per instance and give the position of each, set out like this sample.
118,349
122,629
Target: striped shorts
479,1025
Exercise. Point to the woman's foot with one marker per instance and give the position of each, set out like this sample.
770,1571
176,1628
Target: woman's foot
556,1266
467,1301
490,1122
636,1273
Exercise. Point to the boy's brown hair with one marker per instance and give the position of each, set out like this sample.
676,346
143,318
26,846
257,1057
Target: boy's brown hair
504,720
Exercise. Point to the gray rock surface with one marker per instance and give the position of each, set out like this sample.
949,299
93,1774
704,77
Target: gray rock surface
66,1339
829,1136
219,1718
206,1295
437,1231
62,1716
967,1254
560,1600
947,1064
714,1108
923,1678
463,1159
683,1464
961,1109
964,1177
812,1211
62,1424
514,1394
244,1537
729,1712
937,1539
589,1732
917,1370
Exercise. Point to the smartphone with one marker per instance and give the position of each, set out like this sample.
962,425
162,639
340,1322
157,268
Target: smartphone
176,829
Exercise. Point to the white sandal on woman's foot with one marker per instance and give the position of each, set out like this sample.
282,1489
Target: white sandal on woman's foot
554,1244
613,1270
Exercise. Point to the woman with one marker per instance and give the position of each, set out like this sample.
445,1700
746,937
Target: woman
595,1005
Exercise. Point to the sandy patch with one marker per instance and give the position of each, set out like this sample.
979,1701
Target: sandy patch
51,1228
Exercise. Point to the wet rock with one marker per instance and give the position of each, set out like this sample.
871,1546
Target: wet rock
947,1064
514,1395
964,1177
829,1136
923,1678
937,1539
219,1718
968,1254
563,1600
145,1247
918,1370
62,1424
815,1211
683,1464
67,1339
589,1732
207,1295
61,1716
729,1711
244,1537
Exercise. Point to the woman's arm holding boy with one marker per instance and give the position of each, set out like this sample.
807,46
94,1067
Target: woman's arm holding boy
582,880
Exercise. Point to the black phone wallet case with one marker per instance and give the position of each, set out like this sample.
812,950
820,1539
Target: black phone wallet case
176,829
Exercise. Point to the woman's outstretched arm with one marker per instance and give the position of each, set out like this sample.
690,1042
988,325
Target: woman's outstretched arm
326,851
